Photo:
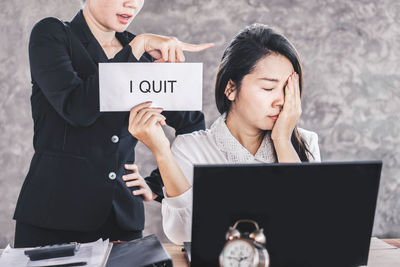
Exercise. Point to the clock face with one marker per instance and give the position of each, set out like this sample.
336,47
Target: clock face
238,253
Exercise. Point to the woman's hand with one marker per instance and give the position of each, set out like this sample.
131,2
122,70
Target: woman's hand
135,179
290,114
145,125
163,48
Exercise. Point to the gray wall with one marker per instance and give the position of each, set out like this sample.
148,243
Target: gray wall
350,52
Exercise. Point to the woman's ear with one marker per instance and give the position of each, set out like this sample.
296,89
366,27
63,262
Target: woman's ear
230,90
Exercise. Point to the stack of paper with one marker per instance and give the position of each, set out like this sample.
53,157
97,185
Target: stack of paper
92,254
381,254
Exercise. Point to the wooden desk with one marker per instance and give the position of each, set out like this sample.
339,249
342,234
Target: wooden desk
177,255
377,254
375,259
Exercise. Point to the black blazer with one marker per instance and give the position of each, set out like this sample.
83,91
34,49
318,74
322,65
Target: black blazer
74,179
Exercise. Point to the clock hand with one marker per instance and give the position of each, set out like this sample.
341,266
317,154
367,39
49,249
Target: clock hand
243,258
230,257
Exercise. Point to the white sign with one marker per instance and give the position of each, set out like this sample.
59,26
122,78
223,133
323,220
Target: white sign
171,86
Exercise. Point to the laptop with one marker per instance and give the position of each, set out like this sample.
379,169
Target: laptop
313,214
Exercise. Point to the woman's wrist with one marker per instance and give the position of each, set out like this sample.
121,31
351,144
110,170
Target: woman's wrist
285,151
163,154
280,140
137,45
282,143
175,182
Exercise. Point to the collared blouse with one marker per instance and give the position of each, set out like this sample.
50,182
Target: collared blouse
213,146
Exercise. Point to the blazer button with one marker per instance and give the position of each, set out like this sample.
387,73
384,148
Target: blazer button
114,139
112,175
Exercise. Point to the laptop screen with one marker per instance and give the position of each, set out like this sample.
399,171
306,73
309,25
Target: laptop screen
313,214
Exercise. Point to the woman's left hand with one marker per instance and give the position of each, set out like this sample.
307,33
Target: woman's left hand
291,111
135,179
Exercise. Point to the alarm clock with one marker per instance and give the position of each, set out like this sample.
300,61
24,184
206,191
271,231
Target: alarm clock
244,249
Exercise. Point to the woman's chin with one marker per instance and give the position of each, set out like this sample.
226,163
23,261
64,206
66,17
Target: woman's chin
266,127
120,28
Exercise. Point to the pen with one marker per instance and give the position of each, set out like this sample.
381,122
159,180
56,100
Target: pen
79,263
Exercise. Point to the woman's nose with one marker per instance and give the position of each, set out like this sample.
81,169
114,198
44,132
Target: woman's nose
279,98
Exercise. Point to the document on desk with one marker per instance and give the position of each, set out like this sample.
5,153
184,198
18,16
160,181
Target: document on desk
93,254
376,243
384,258
171,86
382,254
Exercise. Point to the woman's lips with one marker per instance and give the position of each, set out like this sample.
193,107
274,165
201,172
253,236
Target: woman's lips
274,117
124,18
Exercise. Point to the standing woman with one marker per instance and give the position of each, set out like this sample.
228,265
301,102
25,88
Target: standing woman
74,190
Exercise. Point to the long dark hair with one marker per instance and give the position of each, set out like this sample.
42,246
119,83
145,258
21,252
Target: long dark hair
249,46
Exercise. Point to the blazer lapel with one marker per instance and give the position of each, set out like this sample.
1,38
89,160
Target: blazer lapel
82,31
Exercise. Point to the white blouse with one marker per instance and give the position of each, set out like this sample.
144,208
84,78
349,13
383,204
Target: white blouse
213,146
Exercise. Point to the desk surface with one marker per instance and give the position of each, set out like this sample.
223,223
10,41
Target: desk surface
380,254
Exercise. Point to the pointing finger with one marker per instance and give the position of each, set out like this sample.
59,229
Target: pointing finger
196,47
179,55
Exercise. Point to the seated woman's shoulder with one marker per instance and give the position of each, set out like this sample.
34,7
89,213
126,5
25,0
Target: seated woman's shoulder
308,136
194,139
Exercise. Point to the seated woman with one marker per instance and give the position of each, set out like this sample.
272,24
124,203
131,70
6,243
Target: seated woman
258,91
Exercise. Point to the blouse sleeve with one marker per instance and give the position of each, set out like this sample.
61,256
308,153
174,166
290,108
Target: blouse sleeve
314,148
177,211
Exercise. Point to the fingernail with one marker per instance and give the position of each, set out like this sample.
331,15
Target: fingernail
134,192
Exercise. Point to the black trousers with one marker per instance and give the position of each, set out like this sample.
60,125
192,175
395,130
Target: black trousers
27,235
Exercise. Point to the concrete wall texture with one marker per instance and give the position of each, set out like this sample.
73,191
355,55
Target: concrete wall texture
350,52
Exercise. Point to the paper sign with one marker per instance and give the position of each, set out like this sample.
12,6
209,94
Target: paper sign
171,86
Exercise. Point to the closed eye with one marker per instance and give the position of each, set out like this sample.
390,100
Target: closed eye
268,89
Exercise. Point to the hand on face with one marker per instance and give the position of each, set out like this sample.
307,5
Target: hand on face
163,48
136,180
291,111
145,125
